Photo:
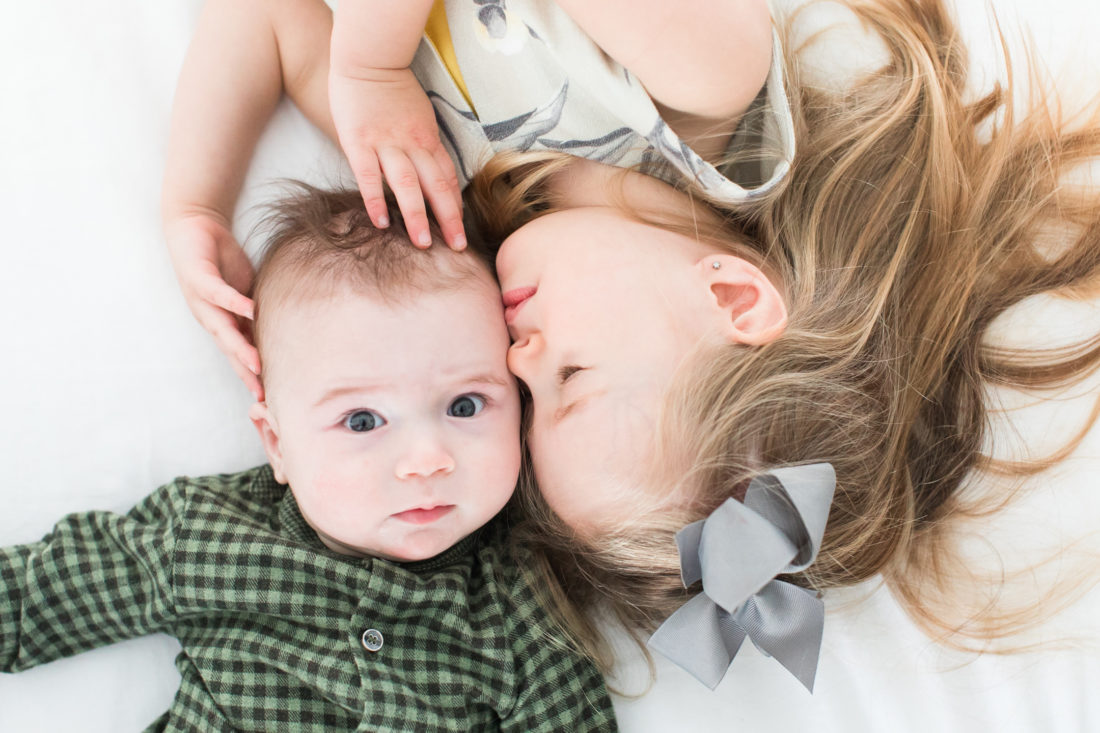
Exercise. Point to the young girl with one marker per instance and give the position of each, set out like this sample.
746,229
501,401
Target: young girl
662,386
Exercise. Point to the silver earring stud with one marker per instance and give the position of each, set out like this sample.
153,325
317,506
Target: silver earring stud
716,265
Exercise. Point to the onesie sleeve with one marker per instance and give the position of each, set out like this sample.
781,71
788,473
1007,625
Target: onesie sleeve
763,146
97,578
532,80
558,688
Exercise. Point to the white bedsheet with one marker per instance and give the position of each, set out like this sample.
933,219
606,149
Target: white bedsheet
108,388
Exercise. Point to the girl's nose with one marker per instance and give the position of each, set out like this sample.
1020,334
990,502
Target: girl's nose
523,356
424,458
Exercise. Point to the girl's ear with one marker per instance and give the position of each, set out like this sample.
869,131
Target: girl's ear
268,428
749,307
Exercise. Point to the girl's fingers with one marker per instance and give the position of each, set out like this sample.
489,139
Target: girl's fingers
368,177
251,381
437,176
242,356
402,176
218,292
250,358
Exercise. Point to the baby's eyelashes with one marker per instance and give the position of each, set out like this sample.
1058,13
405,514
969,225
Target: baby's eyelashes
467,405
363,421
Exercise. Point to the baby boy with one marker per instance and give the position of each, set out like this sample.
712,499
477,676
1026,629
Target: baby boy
362,580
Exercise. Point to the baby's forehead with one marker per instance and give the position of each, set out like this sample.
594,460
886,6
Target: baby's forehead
426,344
466,311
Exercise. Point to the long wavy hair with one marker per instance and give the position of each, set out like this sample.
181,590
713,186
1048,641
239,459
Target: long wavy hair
908,223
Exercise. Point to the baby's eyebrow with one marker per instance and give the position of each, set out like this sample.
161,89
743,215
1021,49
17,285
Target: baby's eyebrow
486,379
476,378
337,392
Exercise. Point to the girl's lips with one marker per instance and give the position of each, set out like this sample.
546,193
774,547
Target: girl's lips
514,299
424,516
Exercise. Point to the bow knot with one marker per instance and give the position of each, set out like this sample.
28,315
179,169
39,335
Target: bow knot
737,552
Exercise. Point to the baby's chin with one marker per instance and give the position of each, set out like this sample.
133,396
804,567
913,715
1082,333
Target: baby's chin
424,544
421,544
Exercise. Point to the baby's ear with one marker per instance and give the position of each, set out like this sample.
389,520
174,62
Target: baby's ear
261,416
749,307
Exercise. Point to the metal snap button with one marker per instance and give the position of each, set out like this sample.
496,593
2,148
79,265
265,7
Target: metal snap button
372,640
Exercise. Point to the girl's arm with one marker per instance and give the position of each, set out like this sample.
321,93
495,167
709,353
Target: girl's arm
384,120
245,53
702,62
242,55
377,34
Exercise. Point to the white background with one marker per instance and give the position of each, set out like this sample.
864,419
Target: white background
108,388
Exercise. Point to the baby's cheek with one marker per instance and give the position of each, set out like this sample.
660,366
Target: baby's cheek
332,499
502,466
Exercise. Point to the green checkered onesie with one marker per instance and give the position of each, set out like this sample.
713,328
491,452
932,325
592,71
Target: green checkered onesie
280,633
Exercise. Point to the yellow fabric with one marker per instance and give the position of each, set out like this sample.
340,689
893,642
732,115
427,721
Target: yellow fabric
440,35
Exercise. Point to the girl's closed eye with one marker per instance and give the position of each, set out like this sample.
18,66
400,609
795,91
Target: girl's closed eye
466,405
566,373
363,421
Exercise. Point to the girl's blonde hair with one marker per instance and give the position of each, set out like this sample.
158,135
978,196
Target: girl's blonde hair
907,224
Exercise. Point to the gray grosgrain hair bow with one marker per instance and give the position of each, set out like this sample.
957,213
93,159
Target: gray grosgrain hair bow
737,551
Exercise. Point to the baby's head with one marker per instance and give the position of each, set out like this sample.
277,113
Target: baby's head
389,407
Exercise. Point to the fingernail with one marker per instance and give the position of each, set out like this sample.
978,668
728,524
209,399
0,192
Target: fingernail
425,238
383,222
460,242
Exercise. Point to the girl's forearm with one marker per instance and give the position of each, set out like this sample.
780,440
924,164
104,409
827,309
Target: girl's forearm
377,34
244,55
228,88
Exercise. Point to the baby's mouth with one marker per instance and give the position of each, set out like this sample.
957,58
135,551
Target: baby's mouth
424,515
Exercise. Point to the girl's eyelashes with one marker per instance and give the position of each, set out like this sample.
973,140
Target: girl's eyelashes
466,405
363,421
566,372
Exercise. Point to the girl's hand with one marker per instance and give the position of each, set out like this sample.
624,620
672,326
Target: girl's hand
213,272
386,126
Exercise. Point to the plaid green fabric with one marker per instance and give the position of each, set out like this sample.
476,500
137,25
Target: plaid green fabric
271,621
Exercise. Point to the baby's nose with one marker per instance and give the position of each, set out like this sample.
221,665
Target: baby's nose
424,458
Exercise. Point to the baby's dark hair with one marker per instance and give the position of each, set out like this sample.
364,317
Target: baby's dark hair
318,241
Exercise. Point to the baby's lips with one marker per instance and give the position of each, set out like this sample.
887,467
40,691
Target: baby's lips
424,515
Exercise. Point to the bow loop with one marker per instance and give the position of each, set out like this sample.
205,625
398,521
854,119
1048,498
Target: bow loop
737,552
687,544
794,500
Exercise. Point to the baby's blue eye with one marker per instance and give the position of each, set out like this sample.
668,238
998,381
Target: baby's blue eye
362,421
467,405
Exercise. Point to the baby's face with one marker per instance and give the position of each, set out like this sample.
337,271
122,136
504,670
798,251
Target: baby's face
395,424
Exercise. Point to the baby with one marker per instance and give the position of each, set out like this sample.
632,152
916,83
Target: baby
363,579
